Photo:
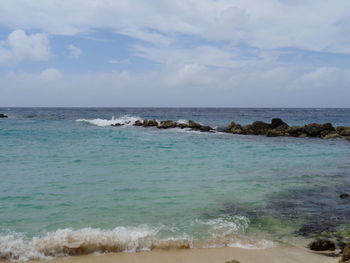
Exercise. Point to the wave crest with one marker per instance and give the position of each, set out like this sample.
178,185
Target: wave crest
222,231
125,120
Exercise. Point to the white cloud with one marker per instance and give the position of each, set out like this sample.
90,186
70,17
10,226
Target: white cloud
310,24
74,52
50,74
120,61
210,52
20,46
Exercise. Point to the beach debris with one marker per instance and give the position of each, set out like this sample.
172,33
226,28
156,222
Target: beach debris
322,245
3,115
344,196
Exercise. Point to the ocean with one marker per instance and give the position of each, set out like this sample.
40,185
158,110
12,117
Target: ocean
72,184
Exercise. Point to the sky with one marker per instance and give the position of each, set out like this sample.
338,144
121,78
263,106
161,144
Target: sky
166,53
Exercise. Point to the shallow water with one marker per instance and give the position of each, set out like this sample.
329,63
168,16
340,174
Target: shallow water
70,183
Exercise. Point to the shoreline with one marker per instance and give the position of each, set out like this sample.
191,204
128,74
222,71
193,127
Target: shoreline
282,253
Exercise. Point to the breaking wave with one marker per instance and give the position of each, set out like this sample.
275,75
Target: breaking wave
66,242
125,120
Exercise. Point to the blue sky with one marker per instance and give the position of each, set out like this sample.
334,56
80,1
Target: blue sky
229,53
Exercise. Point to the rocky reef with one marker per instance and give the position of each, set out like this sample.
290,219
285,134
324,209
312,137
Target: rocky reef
278,127
168,124
3,115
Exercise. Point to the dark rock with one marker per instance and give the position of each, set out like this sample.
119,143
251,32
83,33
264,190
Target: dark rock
234,128
275,132
294,131
344,196
182,125
137,123
332,135
150,123
117,124
276,122
3,115
322,245
260,127
194,125
313,229
346,253
318,130
205,128
343,131
231,126
232,261
167,124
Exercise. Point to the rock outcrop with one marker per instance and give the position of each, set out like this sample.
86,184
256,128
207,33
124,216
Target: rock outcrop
278,127
167,124
150,123
3,115
138,123
322,245
194,125
318,130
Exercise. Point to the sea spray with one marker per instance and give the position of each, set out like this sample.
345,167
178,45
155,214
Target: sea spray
125,120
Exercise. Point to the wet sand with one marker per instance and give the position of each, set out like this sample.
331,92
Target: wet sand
281,254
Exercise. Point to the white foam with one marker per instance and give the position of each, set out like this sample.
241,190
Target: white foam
125,120
222,231
63,242
262,244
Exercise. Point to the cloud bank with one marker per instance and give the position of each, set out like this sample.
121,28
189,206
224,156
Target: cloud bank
208,52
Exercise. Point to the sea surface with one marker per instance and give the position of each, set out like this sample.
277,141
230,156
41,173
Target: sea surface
72,184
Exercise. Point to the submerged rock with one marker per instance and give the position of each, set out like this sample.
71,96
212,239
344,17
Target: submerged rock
3,115
322,245
344,196
150,123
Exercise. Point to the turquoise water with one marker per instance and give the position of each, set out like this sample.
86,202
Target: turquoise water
72,184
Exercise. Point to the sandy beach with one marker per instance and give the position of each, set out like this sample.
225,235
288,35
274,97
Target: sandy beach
281,254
